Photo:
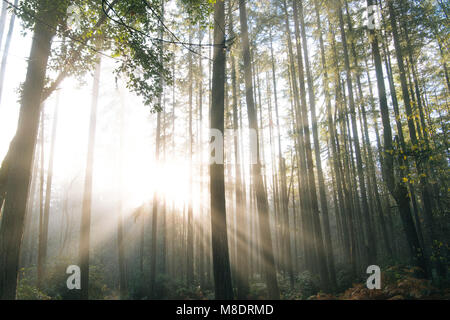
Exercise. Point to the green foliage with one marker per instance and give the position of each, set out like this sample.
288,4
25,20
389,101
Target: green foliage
55,282
54,285
137,289
144,60
308,284
258,290
26,290
190,293
344,277
48,12
198,11
397,283
126,33
167,288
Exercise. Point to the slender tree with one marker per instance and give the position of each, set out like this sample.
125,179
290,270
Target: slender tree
397,189
261,196
220,255
85,228
19,169
43,235
6,48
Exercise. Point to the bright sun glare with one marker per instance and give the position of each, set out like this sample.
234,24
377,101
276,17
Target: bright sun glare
168,179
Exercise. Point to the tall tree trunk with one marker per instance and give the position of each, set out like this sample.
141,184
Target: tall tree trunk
85,229
200,144
209,266
307,234
163,267
6,49
428,217
3,16
190,222
372,172
123,287
424,171
173,154
397,189
23,145
242,266
280,223
320,262
43,237
27,253
331,129
155,201
399,126
282,168
322,192
141,242
221,260
268,262
370,241
39,268
343,171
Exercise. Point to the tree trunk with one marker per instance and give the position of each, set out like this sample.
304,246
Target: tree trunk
300,148
200,144
242,266
155,201
320,263
27,252
282,164
221,260
85,230
322,192
268,261
371,164
6,49
39,268
43,237
19,170
123,288
370,241
398,191
3,16
190,222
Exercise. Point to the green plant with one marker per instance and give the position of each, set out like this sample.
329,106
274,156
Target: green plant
25,288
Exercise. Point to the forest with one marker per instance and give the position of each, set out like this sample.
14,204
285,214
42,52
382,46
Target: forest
224,149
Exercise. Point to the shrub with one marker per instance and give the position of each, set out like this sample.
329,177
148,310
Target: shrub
308,284
25,288
55,282
344,277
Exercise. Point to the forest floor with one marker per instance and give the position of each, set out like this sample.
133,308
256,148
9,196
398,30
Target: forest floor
398,282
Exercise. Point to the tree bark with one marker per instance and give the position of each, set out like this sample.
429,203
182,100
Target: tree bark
19,170
155,202
268,261
221,260
85,228
123,287
43,237
322,192
320,263
190,222
242,266
370,240
397,189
